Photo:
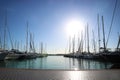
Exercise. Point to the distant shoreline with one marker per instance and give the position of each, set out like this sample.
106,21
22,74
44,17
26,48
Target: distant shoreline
56,54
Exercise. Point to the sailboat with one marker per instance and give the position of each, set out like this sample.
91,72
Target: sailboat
73,53
31,54
14,54
3,52
42,52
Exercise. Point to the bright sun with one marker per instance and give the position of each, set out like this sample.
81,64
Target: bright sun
73,27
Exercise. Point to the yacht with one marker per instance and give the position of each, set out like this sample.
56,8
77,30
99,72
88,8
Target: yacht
13,54
3,54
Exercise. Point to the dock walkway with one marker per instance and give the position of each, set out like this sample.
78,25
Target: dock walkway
36,74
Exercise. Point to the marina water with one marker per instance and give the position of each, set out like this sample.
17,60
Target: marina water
55,62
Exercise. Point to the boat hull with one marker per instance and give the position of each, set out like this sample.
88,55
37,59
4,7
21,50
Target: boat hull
12,56
3,55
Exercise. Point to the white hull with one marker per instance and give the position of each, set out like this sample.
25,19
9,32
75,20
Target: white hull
12,56
3,55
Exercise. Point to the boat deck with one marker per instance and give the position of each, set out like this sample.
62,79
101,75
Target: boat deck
35,74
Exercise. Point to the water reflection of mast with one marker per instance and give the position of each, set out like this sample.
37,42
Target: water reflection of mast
88,64
73,61
41,47
73,49
41,63
80,63
70,63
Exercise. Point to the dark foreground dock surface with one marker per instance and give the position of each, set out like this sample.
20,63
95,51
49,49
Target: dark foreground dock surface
34,74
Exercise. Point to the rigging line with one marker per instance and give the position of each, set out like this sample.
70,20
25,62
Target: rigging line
0,42
98,33
0,38
7,28
10,37
118,41
111,22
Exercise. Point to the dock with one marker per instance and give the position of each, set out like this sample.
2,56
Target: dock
38,74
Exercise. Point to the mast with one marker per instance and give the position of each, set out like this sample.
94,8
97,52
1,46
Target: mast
103,34
17,45
79,48
11,41
4,46
21,45
0,42
88,38
85,38
78,43
94,42
98,33
41,47
74,44
45,50
27,38
118,44
69,44
7,29
31,46
81,42
111,23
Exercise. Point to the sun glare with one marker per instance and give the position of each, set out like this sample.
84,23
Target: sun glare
73,27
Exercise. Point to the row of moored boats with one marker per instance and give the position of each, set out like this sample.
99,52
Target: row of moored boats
15,54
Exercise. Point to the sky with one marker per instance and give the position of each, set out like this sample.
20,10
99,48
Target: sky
47,21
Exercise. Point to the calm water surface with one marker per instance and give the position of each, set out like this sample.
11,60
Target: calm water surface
55,62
